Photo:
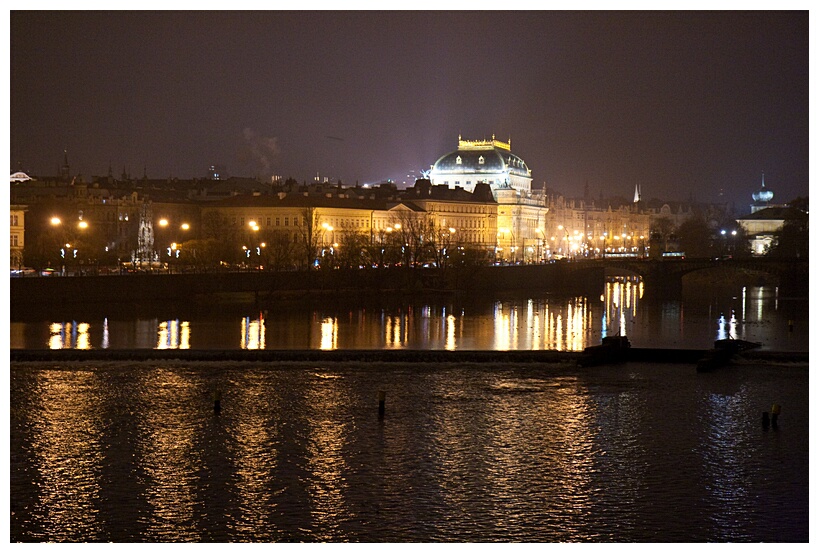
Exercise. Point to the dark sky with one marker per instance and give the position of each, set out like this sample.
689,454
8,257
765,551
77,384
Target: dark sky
681,102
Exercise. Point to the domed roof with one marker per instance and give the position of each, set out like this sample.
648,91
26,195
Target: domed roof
763,195
483,156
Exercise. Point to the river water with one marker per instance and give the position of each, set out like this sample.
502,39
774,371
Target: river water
544,322
134,452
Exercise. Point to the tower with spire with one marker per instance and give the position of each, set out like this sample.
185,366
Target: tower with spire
65,169
762,197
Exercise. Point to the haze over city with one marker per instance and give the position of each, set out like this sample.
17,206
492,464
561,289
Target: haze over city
683,103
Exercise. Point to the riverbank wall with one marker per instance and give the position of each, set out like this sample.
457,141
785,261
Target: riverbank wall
263,286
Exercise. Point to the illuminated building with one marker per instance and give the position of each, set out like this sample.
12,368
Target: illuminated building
17,216
521,213
357,218
765,223
577,228
488,161
762,227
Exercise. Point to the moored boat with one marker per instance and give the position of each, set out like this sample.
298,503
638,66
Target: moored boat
723,352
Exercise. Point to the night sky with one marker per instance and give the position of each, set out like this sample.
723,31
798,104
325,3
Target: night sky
683,103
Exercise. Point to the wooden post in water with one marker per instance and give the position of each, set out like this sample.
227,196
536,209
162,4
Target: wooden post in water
217,401
774,414
382,397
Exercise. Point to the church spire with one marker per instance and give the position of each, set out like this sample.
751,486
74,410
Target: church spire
637,195
65,170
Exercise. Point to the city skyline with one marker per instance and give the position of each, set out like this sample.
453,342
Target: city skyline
684,104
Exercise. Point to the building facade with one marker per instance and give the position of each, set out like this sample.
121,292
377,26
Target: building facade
17,237
488,161
521,214
763,227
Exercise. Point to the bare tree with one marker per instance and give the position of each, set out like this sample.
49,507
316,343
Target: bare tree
383,250
280,250
444,245
218,227
310,238
416,233
352,253
661,230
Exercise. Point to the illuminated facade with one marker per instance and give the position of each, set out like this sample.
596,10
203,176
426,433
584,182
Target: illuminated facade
17,215
577,229
489,161
332,222
532,227
763,227
521,214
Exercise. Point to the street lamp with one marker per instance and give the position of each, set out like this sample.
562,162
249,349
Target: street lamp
512,245
56,222
540,244
173,252
67,252
565,239
82,226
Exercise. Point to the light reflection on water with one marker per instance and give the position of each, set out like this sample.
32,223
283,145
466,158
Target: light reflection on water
253,333
173,335
563,324
68,453
168,456
134,452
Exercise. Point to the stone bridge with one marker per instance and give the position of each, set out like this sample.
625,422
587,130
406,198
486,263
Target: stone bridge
664,277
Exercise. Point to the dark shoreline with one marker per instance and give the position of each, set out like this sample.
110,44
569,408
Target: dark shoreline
381,356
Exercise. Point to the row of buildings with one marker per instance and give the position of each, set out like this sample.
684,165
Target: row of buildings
479,197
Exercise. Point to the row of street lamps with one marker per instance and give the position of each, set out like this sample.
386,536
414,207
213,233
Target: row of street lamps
174,250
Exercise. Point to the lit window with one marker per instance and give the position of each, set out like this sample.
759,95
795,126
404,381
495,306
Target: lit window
458,160
480,160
